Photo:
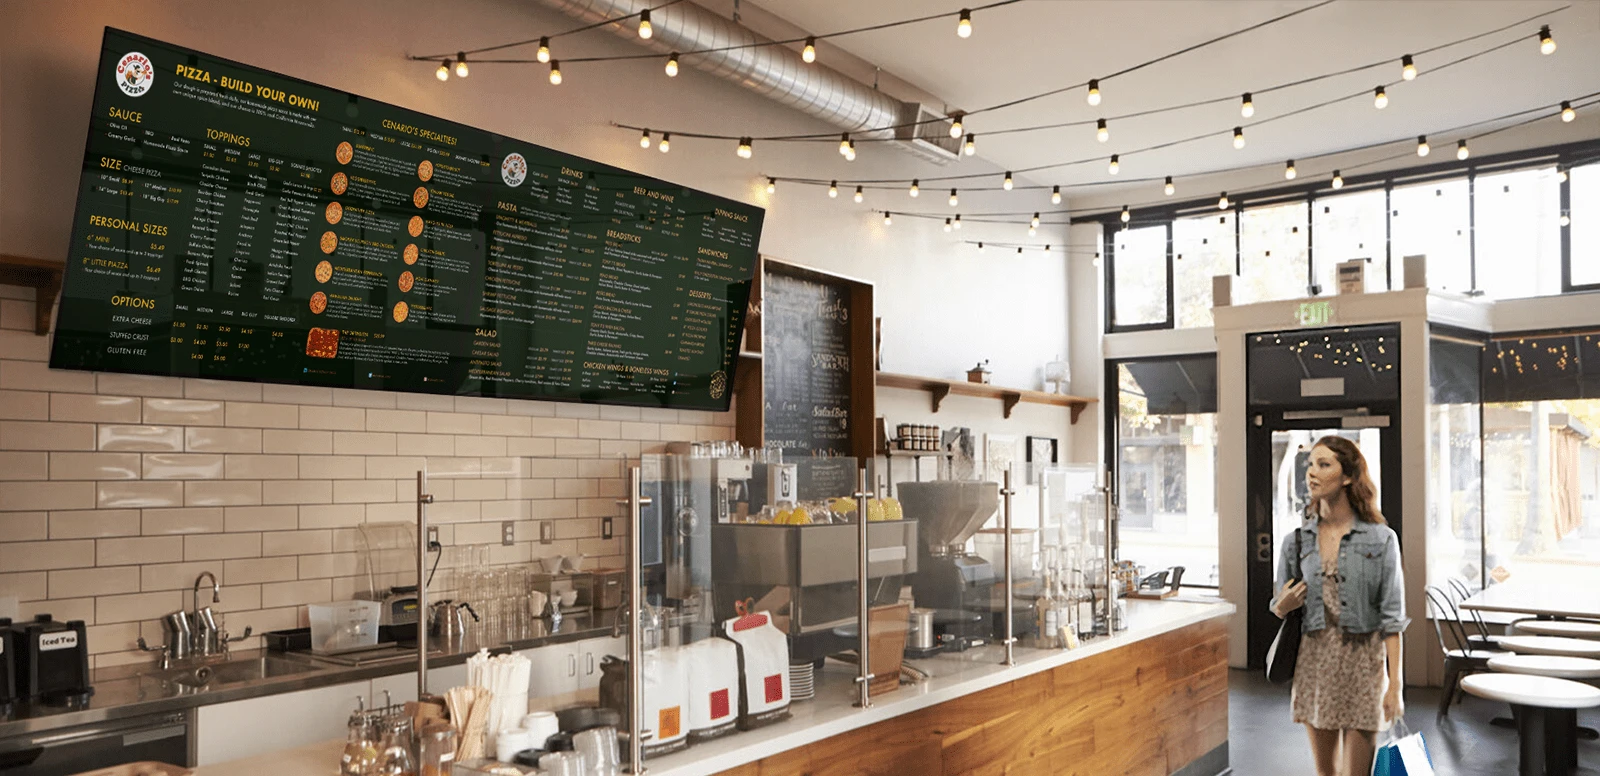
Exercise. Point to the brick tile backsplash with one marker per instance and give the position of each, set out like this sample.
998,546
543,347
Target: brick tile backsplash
117,491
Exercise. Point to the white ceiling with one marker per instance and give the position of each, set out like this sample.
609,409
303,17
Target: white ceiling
1037,45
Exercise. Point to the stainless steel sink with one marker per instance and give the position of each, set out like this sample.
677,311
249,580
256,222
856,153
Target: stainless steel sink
231,672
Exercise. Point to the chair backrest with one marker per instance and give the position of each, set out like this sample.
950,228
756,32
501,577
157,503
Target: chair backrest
1442,610
1462,593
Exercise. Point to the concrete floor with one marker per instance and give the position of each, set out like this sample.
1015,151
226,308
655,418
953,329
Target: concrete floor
1262,741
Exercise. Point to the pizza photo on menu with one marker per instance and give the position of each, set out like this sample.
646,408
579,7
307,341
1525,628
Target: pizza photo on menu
319,302
409,255
340,183
324,271
420,196
322,343
425,170
414,228
406,281
344,153
334,212
329,242
401,312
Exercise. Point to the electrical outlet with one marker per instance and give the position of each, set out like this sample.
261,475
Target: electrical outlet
605,528
433,535
508,533
547,532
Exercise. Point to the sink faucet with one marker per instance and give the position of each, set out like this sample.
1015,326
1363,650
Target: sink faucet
206,642
216,590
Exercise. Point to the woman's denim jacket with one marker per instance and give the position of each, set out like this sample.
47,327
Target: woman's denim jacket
1371,583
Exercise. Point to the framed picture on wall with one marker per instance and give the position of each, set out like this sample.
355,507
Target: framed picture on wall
1040,452
1000,452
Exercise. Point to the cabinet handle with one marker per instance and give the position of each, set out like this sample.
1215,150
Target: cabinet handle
591,663
572,665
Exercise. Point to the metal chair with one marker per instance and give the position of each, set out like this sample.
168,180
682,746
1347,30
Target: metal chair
1481,638
1457,662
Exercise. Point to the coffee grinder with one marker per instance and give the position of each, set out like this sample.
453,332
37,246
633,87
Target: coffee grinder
959,586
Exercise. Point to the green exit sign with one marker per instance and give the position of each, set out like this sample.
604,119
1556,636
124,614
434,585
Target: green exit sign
1318,313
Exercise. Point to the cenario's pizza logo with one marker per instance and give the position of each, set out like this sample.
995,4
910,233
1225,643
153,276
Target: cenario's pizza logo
719,384
135,74
514,170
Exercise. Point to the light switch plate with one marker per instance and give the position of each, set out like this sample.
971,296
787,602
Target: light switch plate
508,533
433,535
547,532
606,531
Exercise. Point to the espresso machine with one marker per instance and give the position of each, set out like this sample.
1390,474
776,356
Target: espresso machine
965,591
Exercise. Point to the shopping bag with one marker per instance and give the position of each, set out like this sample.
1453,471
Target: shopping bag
1404,754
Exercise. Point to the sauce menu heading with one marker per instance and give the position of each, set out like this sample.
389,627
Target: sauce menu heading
238,224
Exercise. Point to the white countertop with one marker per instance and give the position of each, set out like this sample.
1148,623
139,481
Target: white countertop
832,711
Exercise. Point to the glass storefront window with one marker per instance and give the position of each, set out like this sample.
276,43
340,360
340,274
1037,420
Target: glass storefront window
1455,463
1139,258
1431,219
1202,248
1273,243
1585,224
1346,227
1517,238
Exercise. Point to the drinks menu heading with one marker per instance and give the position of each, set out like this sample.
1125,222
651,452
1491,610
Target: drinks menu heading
238,224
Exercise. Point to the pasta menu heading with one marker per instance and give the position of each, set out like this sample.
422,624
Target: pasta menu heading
238,224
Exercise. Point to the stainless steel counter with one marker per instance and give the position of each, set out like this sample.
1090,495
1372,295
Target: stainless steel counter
134,690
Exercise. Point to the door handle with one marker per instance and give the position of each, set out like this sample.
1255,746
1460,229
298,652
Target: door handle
591,663
572,665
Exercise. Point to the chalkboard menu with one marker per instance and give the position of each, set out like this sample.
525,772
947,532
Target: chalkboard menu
238,224
806,339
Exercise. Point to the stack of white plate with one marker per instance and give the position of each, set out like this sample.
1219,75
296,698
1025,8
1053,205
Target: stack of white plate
802,681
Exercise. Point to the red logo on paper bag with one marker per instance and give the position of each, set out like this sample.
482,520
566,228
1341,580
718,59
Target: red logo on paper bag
135,74
774,688
719,704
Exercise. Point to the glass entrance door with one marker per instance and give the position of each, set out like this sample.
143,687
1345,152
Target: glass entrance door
1291,454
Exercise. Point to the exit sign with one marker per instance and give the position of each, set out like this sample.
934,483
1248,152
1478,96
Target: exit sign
1318,313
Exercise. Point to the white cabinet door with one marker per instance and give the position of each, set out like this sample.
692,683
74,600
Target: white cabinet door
403,687
591,653
229,731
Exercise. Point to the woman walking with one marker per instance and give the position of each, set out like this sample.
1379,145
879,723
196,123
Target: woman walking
1347,680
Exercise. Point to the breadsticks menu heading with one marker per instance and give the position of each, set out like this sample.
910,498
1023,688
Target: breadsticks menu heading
238,224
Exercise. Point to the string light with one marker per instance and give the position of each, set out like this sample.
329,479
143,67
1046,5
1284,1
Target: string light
1247,106
887,218
1033,230
1019,248
980,246
957,223
1561,176
1169,189
666,137
860,195
1380,98
947,226
1222,201
1422,145
1567,113
772,185
443,73
1338,180
1566,220
645,30
1238,137
1101,132
672,65
1035,222
555,71
644,139
964,27
850,151
1547,44
954,200
1126,215
844,144
1055,195
1461,150
461,65
1113,167
544,50
915,189
1408,69
833,190
955,126
972,144
1007,184
809,53
1094,91
745,151
1289,171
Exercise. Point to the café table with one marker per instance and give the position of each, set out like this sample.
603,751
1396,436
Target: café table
1553,602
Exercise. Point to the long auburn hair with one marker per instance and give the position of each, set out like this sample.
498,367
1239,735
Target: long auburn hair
1361,492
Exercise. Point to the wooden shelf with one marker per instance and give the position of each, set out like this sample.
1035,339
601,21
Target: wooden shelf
1009,397
44,277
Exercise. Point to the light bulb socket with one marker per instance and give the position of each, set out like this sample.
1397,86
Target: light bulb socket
1547,42
964,25
645,31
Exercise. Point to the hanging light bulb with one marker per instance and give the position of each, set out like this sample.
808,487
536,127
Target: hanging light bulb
1035,222
947,226
1408,69
1094,91
955,126
1019,248
1338,180
1113,167
772,185
645,30
1126,214
954,200
887,218
1380,98
1566,220
980,246
461,65
672,65
957,223
972,144
844,144
1007,184
964,27
1247,106
1422,145
1547,44
1101,132
833,190
1238,137
544,50
555,71
1289,171
1169,189
745,151
860,195
1222,201
1561,175
1461,150
915,189
1032,230
1055,195
1567,113
644,139
809,53
666,138
850,152
443,73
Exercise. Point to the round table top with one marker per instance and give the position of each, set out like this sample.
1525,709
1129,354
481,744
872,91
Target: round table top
1570,628
1559,666
1525,690
1551,645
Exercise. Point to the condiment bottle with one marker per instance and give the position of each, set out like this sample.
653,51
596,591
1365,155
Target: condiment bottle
396,759
360,756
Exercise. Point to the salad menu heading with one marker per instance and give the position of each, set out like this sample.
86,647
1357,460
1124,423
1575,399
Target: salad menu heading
237,224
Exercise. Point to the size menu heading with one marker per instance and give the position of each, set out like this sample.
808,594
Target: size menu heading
238,224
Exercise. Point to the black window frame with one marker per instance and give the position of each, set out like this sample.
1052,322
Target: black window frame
1109,250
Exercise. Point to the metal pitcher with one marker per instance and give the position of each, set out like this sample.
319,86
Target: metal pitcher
448,620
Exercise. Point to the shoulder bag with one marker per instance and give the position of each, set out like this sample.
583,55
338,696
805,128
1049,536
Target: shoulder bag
1285,649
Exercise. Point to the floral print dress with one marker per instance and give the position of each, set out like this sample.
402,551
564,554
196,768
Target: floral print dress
1340,678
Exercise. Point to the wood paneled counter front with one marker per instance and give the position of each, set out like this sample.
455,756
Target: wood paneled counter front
1152,700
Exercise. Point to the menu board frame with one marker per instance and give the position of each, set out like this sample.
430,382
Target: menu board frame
710,241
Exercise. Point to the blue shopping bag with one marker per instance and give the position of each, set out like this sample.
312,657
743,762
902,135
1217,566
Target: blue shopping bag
1404,754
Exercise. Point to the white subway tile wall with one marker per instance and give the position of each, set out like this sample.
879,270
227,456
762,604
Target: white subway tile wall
116,491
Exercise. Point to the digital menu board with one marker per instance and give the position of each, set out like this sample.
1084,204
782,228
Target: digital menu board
238,224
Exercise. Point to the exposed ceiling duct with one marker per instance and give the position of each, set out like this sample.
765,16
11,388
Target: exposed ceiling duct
775,72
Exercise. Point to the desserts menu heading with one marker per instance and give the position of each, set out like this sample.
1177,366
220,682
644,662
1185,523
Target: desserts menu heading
237,224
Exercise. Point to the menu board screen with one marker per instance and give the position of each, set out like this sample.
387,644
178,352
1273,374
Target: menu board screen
237,224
